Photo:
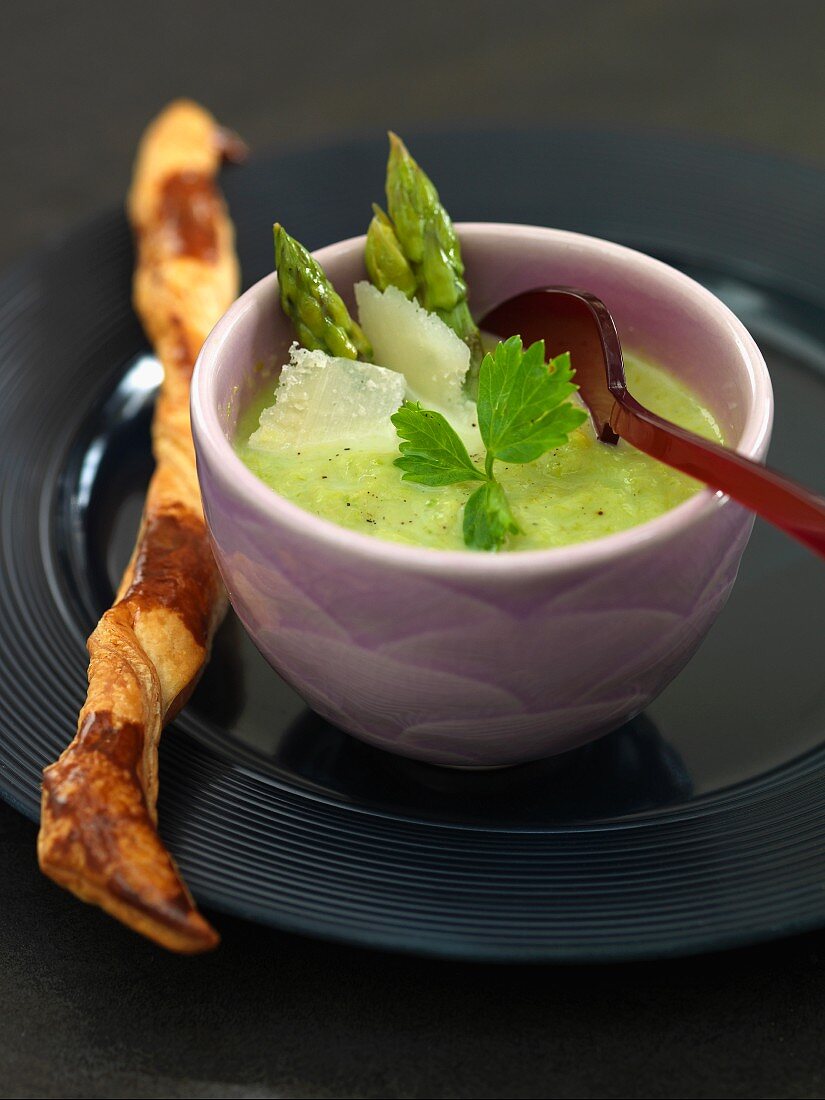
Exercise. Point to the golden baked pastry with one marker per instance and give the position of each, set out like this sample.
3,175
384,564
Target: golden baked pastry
98,830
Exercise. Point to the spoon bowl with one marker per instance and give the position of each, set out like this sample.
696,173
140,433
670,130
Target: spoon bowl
569,319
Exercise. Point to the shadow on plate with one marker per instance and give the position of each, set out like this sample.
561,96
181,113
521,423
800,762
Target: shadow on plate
628,771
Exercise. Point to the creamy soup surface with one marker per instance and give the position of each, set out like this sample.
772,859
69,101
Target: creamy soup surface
582,490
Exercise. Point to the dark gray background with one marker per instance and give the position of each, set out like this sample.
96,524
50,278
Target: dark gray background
88,1009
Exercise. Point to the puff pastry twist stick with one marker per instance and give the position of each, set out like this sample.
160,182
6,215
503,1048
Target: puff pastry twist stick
98,831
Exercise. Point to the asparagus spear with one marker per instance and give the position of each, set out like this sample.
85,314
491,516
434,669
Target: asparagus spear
321,320
428,240
386,263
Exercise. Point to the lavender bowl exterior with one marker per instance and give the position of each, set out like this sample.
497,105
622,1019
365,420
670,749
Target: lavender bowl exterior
463,658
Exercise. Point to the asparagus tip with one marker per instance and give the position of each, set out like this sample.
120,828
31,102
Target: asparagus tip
380,216
396,144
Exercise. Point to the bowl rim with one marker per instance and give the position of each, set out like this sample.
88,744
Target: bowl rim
214,449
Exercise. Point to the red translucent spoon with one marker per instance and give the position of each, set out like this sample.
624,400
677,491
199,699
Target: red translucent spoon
573,320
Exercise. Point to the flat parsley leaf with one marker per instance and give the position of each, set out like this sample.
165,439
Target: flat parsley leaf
432,452
523,409
487,518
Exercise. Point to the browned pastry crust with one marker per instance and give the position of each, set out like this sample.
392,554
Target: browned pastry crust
98,830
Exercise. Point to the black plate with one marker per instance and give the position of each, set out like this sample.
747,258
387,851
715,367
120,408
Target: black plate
700,824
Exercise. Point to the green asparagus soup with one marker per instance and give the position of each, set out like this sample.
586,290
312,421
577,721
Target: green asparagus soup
581,490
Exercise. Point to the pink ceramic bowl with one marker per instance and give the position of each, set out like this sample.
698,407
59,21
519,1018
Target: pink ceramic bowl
477,659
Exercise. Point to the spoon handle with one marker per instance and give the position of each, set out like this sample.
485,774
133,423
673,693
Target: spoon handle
782,502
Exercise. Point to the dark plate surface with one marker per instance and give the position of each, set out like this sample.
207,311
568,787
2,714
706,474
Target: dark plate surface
698,825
